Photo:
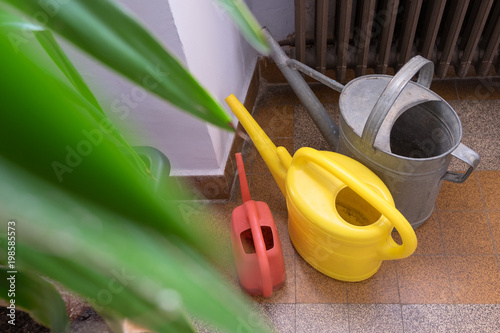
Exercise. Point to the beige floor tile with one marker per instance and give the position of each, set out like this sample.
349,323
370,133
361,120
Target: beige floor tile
474,279
424,280
465,196
490,186
315,287
466,232
380,288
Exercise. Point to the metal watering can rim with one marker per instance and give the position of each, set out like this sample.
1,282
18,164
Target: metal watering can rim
379,125
382,107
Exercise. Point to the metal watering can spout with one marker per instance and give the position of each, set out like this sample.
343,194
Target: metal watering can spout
277,159
290,69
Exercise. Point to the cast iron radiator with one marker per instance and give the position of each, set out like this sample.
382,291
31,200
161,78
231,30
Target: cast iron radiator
461,37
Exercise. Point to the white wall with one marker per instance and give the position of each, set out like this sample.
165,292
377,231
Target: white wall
277,15
217,55
206,41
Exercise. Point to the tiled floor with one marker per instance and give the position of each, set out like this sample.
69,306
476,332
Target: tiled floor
450,284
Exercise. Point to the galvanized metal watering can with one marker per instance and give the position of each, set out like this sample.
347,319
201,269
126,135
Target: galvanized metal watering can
340,214
400,129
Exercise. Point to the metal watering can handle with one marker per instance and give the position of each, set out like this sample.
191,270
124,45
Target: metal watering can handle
392,91
390,249
467,155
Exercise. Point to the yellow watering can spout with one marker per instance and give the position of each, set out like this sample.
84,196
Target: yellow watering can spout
278,160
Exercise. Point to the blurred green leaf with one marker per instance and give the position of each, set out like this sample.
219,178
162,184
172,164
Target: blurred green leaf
39,45
58,139
37,296
105,31
88,217
53,49
120,266
50,45
247,24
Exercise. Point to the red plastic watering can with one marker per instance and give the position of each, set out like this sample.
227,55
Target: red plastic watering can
256,244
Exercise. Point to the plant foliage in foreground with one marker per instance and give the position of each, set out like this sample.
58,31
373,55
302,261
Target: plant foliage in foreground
86,212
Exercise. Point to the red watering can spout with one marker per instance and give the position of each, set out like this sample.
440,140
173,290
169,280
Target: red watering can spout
245,192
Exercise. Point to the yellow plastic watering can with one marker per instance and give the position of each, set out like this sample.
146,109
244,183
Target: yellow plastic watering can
340,214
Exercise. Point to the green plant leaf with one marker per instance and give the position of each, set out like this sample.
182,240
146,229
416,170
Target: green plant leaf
59,140
53,49
41,48
105,31
60,59
35,295
247,24
85,213
117,264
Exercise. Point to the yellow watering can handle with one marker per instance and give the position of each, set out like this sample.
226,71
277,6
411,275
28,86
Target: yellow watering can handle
390,250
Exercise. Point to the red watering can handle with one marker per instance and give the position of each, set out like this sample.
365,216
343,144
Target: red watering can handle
390,249
260,249
258,238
